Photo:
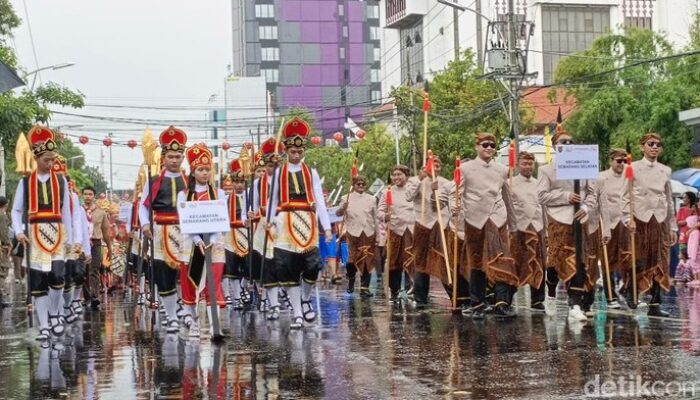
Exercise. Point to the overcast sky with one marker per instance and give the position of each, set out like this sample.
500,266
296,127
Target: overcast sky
152,53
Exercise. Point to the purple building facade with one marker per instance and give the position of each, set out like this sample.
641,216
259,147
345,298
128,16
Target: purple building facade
323,55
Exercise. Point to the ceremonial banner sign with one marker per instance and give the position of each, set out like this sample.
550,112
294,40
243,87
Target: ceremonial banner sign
576,162
209,216
125,214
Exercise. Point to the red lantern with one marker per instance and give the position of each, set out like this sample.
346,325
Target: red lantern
225,146
338,137
316,140
107,141
83,139
132,143
360,134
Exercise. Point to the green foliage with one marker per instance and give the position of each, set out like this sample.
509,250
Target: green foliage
615,109
22,108
375,151
461,105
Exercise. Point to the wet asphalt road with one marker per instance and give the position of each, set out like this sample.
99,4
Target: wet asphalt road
362,349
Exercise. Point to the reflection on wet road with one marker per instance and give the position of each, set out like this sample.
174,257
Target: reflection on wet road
362,350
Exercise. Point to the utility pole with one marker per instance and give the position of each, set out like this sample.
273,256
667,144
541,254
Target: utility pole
479,39
455,25
513,66
3,177
111,175
506,60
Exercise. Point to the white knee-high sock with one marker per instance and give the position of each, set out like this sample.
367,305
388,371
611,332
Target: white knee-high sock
235,289
306,289
67,298
55,297
294,294
142,284
77,291
170,303
272,293
226,287
42,311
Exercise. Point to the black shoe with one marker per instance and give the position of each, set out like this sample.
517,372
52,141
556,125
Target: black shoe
656,311
95,305
628,299
351,286
365,293
503,311
478,313
539,307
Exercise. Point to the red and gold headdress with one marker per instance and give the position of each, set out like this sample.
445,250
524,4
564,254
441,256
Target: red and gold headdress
236,170
173,139
42,140
267,153
59,165
199,156
295,132
227,183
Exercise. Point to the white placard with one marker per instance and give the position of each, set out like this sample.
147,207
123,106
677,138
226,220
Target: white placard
576,161
125,214
332,217
210,216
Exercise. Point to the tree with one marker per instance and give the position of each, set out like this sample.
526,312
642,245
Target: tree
462,104
620,97
20,109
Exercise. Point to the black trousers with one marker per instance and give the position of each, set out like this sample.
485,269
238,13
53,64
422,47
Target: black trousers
166,278
421,289
365,277
478,286
537,293
40,282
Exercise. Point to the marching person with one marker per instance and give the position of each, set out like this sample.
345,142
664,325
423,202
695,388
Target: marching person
430,259
487,210
266,162
360,211
45,197
161,199
98,229
558,198
73,254
193,273
528,241
400,218
236,239
652,222
297,207
611,184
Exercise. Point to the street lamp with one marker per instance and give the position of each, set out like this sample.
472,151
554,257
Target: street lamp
54,67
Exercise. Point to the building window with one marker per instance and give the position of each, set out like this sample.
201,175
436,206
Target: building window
376,96
373,11
373,33
375,75
638,22
342,53
271,75
341,10
568,29
268,32
377,54
264,11
270,54
345,31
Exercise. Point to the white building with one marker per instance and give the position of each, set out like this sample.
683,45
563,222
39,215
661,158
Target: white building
418,35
